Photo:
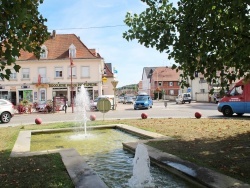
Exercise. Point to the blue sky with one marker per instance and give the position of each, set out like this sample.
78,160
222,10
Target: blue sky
79,17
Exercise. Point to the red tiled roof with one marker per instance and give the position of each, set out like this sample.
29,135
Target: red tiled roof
109,72
58,48
165,74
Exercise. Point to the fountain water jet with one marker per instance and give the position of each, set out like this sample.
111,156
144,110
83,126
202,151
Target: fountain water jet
141,171
82,105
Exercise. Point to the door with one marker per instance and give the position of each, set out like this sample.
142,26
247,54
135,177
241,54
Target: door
42,94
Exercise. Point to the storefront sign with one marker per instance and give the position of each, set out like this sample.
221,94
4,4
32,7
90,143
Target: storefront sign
74,85
25,87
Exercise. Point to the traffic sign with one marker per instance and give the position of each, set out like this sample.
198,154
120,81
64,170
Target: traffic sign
104,79
103,105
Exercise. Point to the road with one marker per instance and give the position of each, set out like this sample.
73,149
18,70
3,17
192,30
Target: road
125,111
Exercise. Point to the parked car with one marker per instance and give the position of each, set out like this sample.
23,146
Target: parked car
128,100
7,111
217,98
93,104
120,99
143,101
183,98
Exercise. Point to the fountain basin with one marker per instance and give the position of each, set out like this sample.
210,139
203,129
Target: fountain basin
200,176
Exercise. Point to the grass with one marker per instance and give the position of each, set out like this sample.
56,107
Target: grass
219,144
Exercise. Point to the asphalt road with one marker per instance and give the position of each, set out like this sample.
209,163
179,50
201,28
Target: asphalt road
124,111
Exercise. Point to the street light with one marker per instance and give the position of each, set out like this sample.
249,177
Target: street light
71,90
114,83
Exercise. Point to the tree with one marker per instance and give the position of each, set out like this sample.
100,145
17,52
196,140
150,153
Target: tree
21,28
211,37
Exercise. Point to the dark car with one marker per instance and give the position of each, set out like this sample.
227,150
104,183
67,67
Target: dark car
143,101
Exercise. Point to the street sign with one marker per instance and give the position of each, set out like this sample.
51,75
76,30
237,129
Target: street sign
103,105
189,90
104,79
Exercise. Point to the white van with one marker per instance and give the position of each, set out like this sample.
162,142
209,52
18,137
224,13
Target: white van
182,98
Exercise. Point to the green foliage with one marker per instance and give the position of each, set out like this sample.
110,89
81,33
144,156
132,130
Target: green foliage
21,27
211,37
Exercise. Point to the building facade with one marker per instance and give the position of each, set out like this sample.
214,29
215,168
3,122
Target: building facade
64,66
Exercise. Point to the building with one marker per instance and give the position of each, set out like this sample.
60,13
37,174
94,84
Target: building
160,82
146,79
65,64
164,83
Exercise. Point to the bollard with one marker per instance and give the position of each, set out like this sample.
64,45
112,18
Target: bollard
165,104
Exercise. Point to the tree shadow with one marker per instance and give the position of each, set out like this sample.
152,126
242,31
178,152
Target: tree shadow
230,156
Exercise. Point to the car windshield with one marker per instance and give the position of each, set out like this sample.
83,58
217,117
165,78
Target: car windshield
142,98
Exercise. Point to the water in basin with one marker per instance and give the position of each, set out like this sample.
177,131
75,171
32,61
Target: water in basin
103,151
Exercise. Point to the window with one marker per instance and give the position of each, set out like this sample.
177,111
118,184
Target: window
85,72
72,51
202,90
159,83
58,72
171,92
25,73
42,73
13,74
202,80
44,52
196,74
73,71
171,84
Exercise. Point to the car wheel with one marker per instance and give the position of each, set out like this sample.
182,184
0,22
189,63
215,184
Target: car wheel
5,117
135,108
189,102
227,111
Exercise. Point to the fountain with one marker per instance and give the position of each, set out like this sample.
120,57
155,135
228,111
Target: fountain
103,152
82,105
141,171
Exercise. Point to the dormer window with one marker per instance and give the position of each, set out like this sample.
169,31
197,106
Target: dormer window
72,51
44,52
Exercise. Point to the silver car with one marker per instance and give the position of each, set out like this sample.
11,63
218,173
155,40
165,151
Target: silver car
7,110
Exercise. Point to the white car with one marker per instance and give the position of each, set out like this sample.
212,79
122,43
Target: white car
120,99
182,98
7,111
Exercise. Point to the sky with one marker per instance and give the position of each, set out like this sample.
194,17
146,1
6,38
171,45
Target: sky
100,25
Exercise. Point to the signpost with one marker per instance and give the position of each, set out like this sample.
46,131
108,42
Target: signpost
103,105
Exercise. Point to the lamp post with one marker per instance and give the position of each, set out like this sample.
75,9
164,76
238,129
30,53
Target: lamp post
114,83
71,85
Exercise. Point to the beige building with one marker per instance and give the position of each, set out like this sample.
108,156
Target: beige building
65,61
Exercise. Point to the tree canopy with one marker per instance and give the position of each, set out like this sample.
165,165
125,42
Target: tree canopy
207,36
21,28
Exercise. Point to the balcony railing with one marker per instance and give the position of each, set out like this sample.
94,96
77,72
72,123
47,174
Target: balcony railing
44,80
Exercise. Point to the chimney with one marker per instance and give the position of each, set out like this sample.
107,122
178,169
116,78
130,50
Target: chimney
54,34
